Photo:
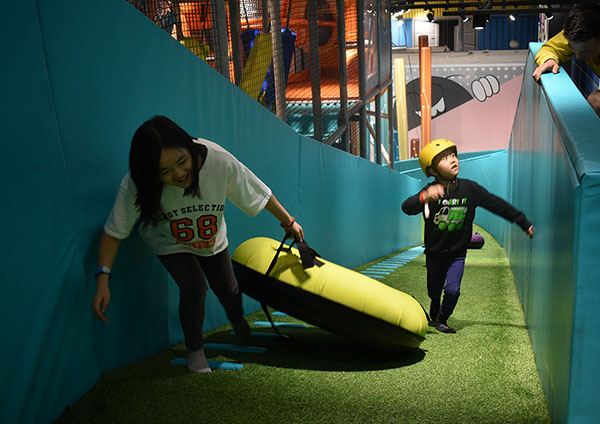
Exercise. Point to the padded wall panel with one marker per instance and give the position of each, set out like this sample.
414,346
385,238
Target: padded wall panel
553,164
586,344
354,202
102,92
544,180
43,290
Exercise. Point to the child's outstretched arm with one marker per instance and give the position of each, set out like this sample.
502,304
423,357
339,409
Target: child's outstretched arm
288,222
504,209
107,251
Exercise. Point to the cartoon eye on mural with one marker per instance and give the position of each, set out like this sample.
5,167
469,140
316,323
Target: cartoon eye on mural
446,95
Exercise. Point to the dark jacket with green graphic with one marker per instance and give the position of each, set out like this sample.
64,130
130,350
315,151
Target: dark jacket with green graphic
449,227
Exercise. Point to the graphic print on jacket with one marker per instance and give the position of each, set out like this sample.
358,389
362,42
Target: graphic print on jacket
451,214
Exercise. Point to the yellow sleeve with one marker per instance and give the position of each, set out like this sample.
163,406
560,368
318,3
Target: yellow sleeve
556,48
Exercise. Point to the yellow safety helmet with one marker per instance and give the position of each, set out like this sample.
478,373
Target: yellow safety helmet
431,150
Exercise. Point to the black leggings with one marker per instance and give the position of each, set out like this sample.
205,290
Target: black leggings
190,272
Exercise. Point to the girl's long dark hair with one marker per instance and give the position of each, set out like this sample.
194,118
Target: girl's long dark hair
150,138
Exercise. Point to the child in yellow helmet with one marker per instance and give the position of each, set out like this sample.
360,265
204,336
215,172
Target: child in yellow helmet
448,205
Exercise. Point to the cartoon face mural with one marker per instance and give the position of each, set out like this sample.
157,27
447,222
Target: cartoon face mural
446,95
471,104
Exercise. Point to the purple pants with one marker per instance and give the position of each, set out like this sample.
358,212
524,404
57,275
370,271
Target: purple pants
190,272
446,275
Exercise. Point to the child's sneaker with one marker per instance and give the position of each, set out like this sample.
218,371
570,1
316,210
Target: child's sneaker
442,326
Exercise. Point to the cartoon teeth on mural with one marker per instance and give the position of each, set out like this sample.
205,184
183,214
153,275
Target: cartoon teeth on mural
446,95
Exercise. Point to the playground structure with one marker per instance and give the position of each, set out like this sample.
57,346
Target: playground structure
327,77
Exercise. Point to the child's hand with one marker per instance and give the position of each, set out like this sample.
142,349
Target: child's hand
100,302
295,231
433,193
530,232
549,65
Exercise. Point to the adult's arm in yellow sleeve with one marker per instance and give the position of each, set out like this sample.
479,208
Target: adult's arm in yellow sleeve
553,53
556,48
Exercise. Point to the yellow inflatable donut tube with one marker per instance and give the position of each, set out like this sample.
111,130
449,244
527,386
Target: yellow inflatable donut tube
330,296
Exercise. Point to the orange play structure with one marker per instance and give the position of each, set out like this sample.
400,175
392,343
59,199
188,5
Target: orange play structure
196,30
299,84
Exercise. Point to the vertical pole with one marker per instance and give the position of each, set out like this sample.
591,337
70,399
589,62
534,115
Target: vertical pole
234,20
390,109
222,59
425,80
423,42
390,89
360,29
265,17
425,75
278,66
343,74
460,36
378,128
315,69
177,11
401,116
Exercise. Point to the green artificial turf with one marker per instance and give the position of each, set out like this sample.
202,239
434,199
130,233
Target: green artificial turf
483,374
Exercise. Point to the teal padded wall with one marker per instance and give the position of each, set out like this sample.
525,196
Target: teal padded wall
554,165
44,313
82,77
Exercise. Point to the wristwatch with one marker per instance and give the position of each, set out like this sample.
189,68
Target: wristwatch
102,270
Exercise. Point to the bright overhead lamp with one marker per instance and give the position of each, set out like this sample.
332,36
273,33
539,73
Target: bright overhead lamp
430,16
512,17
479,22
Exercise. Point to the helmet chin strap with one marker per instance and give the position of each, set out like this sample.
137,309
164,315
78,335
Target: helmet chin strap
439,178
449,182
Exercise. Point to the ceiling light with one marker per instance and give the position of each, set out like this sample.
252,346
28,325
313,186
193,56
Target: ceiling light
430,16
478,22
512,17
464,18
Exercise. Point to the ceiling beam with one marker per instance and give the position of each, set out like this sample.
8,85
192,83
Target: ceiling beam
532,11
398,5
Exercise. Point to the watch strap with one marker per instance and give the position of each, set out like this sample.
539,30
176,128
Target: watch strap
102,270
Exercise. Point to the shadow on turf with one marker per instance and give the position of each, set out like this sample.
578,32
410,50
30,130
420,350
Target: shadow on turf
460,324
315,349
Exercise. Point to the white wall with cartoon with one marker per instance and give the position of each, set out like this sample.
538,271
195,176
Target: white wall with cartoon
473,105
